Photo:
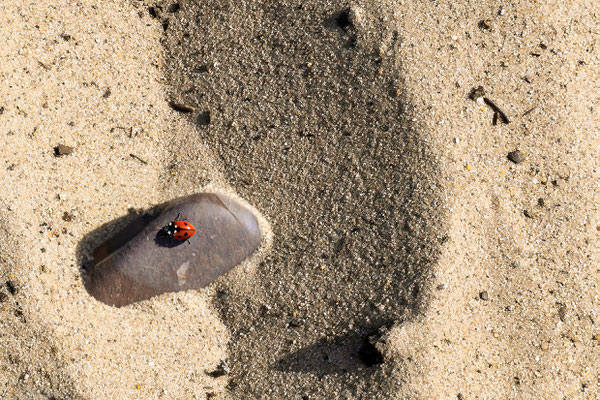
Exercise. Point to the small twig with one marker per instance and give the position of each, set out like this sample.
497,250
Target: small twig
139,159
182,108
497,109
528,111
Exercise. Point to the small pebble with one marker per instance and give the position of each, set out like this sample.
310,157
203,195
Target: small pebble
541,202
62,150
484,25
596,337
484,295
516,156
544,346
528,214
67,217
203,118
173,8
12,288
476,93
182,108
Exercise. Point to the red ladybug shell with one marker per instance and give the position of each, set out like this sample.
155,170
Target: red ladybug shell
183,230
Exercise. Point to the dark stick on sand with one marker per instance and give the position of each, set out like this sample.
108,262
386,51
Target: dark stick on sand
496,109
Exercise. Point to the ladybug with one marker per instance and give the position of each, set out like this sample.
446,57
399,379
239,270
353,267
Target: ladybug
179,229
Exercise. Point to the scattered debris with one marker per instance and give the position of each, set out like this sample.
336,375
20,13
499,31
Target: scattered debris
62,150
562,313
497,110
201,69
182,108
484,25
221,370
12,288
516,156
107,93
173,8
67,216
541,202
484,295
203,118
153,11
45,66
528,111
66,37
528,214
476,93
139,159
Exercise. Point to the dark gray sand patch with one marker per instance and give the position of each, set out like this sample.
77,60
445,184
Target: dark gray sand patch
310,132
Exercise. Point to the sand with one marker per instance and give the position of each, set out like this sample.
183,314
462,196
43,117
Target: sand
393,215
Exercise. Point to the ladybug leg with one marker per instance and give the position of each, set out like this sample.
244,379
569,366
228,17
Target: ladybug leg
177,217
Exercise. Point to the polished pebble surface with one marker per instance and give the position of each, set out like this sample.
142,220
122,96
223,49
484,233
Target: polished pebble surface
141,261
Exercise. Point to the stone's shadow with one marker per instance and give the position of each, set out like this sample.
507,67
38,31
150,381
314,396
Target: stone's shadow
309,119
135,221
338,354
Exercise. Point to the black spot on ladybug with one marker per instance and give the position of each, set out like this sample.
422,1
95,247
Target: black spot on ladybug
185,223
185,234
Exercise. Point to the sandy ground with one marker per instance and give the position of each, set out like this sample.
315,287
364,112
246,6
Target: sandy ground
396,217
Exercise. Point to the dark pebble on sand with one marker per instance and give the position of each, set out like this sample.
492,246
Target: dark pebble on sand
516,156
141,261
62,150
484,295
11,287
203,118
528,214
541,202
182,108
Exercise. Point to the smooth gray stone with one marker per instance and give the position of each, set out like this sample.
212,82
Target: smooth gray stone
140,262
